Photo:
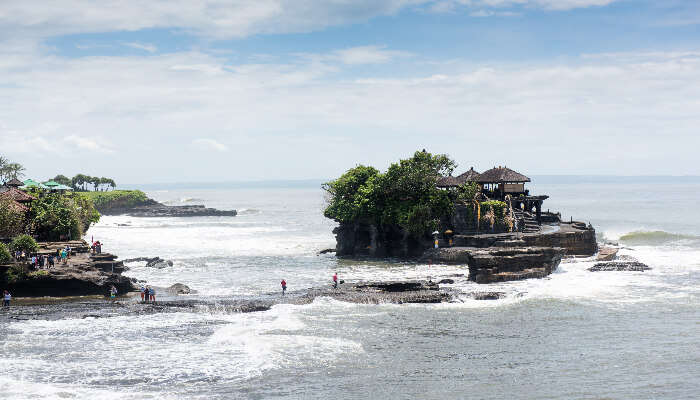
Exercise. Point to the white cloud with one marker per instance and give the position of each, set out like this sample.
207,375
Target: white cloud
364,55
209,144
225,18
482,7
87,143
142,46
640,107
217,18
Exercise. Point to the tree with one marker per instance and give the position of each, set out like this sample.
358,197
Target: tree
5,256
10,170
24,243
63,180
406,195
54,215
11,218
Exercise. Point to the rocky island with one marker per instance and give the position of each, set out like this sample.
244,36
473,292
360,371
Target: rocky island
136,204
487,221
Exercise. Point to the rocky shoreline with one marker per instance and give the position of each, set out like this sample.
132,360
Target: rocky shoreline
162,210
84,274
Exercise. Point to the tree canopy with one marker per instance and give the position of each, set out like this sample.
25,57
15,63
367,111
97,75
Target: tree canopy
10,170
54,215
406,195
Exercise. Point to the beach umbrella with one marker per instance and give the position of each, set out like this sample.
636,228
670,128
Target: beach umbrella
63,187
51,184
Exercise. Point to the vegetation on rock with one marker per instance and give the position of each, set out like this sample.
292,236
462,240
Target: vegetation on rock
24,243
54,216
405,195
11,218
5,256
117,199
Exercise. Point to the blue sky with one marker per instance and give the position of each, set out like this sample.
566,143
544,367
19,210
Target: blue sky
168,91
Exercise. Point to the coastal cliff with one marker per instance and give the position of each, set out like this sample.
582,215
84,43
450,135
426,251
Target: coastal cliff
83,274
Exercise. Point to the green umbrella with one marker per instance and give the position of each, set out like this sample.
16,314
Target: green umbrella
63,187
51,184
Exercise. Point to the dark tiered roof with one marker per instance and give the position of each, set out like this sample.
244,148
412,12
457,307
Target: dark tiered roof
15,194
14,182
501,175
453,181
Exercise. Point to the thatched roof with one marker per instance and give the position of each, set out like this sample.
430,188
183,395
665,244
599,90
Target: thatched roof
501,175
14,182
16,194
453,181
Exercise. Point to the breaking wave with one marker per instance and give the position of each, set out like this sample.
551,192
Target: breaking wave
651,238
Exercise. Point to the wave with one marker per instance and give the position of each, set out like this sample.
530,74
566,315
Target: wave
650,238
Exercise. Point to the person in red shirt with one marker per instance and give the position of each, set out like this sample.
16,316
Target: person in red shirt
335,281
284,286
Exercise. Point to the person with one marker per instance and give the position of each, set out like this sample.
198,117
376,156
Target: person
143,293
64,256
335,281
113,292
68,249
99,247
152,294
284,286
6,297
50,260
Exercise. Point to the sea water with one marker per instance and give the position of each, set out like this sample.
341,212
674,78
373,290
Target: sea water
574,335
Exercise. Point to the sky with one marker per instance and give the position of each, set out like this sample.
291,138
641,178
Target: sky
238,90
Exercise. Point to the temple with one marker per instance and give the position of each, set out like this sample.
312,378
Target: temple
504,184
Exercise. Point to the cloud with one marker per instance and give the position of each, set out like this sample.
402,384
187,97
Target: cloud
141,46
564,117
209,144
366,55
225,18
484,8
214,18
86,143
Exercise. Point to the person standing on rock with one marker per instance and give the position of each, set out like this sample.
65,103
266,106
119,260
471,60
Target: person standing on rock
335,280
113,292
6,297
152,294
284,286
143,293
50,260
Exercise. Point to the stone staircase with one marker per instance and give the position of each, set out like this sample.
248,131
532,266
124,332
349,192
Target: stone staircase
531,225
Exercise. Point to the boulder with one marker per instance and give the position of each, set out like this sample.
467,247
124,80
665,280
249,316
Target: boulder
446,281
619,266
607,253
488,295
180,288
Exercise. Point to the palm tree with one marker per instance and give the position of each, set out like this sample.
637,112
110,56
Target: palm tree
15,170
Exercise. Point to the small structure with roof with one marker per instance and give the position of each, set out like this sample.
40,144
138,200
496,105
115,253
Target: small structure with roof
459,180
501,181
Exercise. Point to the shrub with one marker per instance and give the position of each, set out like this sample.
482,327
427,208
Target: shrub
24,243
55,215
16,273
11,218
5,256
38,274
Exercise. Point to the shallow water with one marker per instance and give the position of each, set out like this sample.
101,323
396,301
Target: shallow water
575,334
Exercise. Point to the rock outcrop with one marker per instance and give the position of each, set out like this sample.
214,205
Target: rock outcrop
161,210
498,264
151,262
82,275
619,266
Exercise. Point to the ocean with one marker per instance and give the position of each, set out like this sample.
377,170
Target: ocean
573,335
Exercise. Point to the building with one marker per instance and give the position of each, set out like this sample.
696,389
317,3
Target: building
454,181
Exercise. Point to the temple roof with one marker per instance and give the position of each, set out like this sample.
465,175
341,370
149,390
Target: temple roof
451,181
15,194
501,175
14,182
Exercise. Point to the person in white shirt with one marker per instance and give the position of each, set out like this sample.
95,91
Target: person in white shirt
6,297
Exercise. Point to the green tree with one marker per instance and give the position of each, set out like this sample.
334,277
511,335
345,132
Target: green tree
63,180
406,195
54,215
11,218
5,256
24,243
10,170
